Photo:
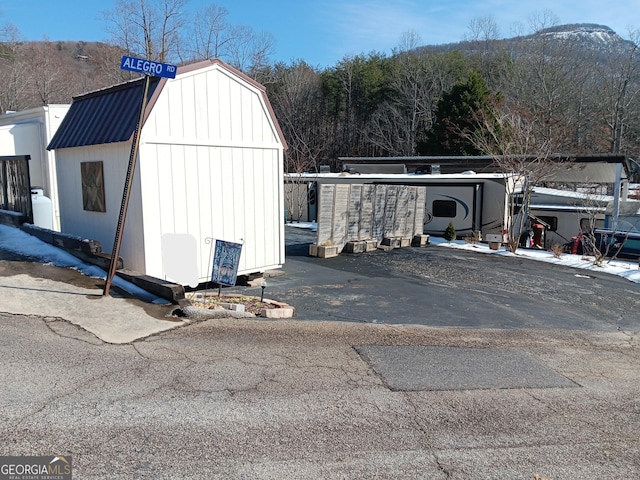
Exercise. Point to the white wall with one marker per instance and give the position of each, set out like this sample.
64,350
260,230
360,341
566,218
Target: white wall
220,193
101,226
28,133
24,139
212,167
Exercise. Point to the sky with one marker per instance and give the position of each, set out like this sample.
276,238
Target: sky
322,32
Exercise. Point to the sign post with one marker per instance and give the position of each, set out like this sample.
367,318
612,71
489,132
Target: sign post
149,69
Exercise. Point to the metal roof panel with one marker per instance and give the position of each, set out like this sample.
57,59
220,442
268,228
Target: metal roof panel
105,116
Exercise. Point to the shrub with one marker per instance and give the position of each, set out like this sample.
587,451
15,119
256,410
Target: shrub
450,232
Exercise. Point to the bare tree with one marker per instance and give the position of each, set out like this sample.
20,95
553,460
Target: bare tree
103,60
550,79
409,41
483,29
148,28
522,155
210,33
543,19
248,50
395,125
48,80
296,96
620,89
9,33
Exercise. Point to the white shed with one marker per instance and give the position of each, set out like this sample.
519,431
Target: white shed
210,167
28,132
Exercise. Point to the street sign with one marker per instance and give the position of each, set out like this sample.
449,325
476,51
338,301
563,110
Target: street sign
147,67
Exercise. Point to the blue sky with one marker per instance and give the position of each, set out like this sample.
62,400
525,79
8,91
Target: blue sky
322,32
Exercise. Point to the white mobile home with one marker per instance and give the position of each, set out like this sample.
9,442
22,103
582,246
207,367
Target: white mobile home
567,213
210,167
28,132
473,202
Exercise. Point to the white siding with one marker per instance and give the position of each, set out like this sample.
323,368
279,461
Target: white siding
101,226
28,133
25,139
219,193
212,168
211,107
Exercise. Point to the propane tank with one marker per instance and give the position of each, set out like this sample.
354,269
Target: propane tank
42,209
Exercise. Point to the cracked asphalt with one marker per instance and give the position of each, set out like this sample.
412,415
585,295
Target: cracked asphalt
289,400
237,398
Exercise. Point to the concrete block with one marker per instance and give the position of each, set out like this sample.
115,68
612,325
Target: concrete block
157,286
236,307
421,240
328,251
385,248
277,312
405,242
370,245
355,247
13,219
313,250
41,233
494,237
393,242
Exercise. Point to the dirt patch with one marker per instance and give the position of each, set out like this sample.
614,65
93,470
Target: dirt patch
251,304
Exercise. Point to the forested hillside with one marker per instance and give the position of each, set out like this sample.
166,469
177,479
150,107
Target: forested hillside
575,87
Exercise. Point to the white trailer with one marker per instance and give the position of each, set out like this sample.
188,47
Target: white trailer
28,132
567,213
472,202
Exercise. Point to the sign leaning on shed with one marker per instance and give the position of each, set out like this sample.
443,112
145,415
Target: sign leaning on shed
149,69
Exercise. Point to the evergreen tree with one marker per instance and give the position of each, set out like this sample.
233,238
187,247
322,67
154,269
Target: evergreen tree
450,232
456,117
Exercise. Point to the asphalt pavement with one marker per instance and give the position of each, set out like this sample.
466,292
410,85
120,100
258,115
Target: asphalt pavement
441,365
439,287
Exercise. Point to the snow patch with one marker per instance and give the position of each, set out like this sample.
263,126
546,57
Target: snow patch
16,241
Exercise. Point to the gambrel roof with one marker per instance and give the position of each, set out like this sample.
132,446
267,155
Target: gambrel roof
111,114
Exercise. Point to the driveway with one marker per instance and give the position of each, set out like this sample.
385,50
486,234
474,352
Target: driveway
449,288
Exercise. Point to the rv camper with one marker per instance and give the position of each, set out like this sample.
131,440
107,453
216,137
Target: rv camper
566,214
472,202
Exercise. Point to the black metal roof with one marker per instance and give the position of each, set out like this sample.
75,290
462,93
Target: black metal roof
105,116
485,163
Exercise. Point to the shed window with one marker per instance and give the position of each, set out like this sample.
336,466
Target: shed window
92,187
444,208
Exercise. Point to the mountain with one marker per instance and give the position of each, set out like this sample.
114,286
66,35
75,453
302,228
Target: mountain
589,36
587,33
